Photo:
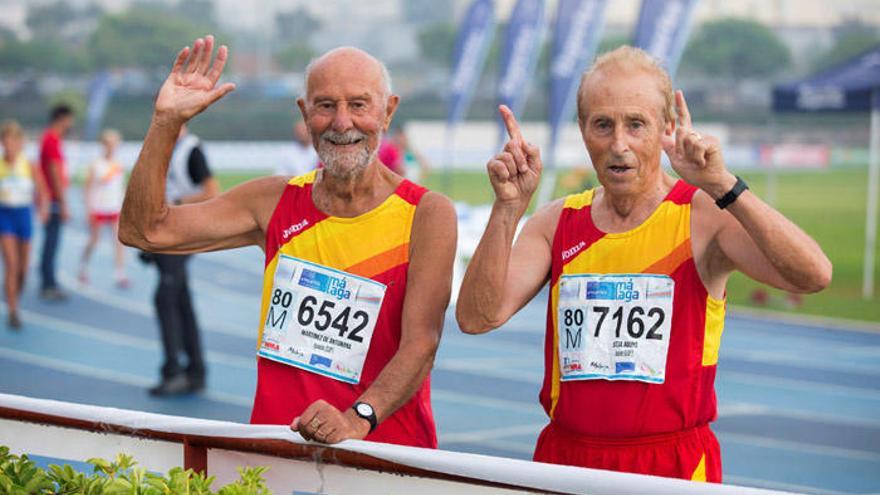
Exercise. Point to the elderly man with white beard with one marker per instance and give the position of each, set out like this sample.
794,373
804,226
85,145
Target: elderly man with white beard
358,259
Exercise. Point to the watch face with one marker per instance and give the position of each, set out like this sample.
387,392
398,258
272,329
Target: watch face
364,409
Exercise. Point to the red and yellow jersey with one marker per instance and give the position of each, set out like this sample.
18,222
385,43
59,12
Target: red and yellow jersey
661,247
375,246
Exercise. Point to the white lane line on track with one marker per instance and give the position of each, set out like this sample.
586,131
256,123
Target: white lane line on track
729,409
479,436
799,447
115,338
523,448
521,407
752,379
118,377
778,485
462,366
144,309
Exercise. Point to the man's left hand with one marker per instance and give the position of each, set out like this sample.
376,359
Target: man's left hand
321,422
696,157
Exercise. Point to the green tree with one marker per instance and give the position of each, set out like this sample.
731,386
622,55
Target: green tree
436,43
852,38
143,37
736,48
295,56
42,56
296,25
611,42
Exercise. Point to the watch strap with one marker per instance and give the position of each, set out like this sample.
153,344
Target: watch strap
738,188
371,418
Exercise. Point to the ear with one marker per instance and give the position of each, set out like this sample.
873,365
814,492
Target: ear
390,108
669,128
301,103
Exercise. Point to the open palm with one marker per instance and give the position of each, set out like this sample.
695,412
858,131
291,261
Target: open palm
192,84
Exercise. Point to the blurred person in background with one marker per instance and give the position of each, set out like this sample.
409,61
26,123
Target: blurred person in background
638,269
303,157
104,188
401,158
189,181
20,187
358,268
54,172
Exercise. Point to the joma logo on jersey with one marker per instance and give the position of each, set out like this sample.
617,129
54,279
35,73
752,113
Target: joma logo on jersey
613,291
335,286
568,253
293,229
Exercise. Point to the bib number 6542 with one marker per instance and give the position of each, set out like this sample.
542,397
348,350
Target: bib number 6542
326,315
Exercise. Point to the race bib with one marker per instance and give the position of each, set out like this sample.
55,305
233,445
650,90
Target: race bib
320,319
614,327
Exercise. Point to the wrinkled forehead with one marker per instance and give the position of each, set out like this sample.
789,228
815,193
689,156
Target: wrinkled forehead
621,87
345,74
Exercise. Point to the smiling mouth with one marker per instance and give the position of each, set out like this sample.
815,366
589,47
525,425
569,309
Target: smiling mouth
619,169
345,143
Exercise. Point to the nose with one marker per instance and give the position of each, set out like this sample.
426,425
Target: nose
342,119
619,143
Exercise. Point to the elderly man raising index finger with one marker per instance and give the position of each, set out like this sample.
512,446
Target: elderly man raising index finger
637,270
358,260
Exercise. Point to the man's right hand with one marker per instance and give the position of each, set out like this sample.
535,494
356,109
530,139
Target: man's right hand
192,84
515,172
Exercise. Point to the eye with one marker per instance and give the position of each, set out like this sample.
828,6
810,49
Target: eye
636,124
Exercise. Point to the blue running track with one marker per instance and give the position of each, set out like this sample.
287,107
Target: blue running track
799,404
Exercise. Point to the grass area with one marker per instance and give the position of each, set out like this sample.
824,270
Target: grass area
828,204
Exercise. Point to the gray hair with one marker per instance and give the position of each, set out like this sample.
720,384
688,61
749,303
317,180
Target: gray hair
386,76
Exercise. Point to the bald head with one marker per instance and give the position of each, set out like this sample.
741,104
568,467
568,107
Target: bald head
354,61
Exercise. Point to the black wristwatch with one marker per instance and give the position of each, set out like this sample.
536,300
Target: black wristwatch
738,188
365,411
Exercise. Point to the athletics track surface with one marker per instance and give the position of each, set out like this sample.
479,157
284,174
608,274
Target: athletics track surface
798,403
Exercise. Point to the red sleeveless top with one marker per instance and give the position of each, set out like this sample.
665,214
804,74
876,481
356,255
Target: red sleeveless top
373,245
660,246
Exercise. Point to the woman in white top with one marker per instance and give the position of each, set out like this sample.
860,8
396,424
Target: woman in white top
104,190
19,181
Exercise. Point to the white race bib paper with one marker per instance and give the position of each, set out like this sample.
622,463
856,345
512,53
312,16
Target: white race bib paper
320,319
614,327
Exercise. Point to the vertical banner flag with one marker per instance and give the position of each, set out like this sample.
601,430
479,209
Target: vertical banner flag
575,38
100,92
663,28
471,49
522,47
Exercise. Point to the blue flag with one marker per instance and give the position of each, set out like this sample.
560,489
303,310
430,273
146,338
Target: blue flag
471,49
575,38
663,28
100,92
522,46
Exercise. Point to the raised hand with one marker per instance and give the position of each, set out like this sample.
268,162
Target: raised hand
192,84
515,172
695,157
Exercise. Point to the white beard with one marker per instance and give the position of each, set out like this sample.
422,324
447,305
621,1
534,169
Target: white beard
345,164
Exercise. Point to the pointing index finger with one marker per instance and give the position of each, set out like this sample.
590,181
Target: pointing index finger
511,124
684,115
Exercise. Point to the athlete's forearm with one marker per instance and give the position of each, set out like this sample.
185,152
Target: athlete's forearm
481,298
793,253
401,377
144,206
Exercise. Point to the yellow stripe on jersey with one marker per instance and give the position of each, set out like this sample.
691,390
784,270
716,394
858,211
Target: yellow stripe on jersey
714,328
609,255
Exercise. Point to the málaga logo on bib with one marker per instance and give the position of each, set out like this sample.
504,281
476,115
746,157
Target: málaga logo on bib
334,286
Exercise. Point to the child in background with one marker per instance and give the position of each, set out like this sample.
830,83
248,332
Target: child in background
104,189
19,181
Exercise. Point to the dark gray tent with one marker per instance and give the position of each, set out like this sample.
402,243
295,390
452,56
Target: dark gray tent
853,86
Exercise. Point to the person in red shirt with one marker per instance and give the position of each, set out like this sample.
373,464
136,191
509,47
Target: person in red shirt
52,166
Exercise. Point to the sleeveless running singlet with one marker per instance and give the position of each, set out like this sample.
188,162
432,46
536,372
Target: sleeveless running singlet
331,310
632,334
